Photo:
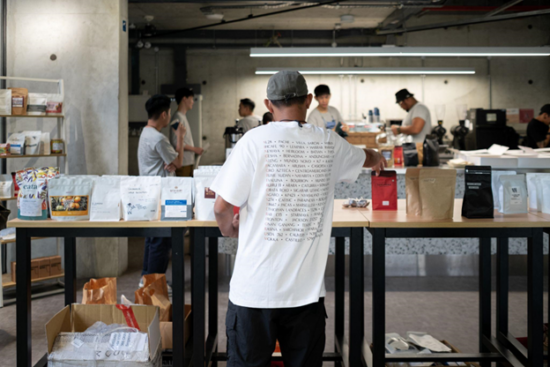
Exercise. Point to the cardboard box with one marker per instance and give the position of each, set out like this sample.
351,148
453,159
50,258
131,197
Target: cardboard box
44,271
13,271
166,330
55,265
363,138
35,269
78,318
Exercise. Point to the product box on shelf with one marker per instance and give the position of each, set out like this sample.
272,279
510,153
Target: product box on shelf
35,269
55,265
44,267
13,271
108,352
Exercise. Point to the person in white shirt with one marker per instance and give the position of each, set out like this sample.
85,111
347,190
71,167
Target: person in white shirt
246,111
185,98
282,176
418,122
326,116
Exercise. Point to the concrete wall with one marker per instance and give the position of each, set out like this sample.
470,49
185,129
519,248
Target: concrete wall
229,76
92,59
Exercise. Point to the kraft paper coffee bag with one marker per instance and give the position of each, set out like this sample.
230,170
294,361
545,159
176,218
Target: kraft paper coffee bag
414,203
437,192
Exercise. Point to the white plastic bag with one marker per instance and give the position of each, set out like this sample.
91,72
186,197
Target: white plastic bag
106,204
176,198
204,197
140,198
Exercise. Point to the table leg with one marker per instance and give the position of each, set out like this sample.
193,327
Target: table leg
198,305
502,288
378,296
484,295
70,270
356,298
213,292
339,292
23,294
178,295
535,307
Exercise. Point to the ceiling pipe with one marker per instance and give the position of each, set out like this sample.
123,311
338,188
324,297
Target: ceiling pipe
503,7
495,18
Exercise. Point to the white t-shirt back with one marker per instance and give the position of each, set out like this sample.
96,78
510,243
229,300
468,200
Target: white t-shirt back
422,111
282,176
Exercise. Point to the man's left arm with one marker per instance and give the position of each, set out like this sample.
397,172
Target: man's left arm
227,221
415,128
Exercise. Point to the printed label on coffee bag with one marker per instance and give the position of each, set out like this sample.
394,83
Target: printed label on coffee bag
209,194
69,205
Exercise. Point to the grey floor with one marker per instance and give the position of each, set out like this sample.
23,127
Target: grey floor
444,307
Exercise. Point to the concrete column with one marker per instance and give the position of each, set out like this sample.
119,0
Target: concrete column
90,45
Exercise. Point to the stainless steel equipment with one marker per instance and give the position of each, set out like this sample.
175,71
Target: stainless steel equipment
232,135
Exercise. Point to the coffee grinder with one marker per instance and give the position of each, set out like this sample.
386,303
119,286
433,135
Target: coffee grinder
459,132
439,130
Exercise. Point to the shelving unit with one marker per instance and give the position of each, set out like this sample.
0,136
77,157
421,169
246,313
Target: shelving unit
8,283
64,168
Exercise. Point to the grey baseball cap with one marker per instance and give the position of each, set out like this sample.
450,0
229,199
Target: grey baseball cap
286,84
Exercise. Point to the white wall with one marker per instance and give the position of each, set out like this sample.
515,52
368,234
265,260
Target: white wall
91,50
229,76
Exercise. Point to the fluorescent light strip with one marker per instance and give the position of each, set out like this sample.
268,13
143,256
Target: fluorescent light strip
371,71
401,52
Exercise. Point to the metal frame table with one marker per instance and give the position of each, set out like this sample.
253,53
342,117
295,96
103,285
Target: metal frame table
70,231
503,349
346,223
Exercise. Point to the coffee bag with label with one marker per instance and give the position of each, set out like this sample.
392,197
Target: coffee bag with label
105,203
69,198
410,155
204,196
478,193
437,192
5,102
513,195
176,198
384,190
430,152
532,189
495,179
32,198
414,203
19,100
140,198
6,186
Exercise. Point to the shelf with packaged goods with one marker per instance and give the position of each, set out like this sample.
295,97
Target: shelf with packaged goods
8,283
35,116
32,156
12,240
8,199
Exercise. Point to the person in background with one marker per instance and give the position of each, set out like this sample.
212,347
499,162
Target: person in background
538,134
246,111
325,116
277,288
157,157
185,98
418,122
267,118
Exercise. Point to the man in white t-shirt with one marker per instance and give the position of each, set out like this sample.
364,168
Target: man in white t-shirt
246,110
282,176
418,122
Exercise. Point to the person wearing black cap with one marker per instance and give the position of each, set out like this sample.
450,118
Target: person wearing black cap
418,122
537,129
282,176
246,111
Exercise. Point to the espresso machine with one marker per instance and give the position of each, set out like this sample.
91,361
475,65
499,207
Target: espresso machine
232,135
488,127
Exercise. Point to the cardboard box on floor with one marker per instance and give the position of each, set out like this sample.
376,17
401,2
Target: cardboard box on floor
78,318
166,330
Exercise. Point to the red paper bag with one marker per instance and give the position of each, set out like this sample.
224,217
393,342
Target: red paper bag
384,190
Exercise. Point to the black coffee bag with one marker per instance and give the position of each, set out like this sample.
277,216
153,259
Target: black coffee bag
410,155
431,151
478,193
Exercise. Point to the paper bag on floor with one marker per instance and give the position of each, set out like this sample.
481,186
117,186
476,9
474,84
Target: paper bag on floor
99,292
155,293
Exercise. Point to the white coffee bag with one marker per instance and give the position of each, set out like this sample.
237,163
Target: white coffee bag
176,198
204,197
5,102
17,143
106,203
32,142
513,195
69,198
496,185
6,186
140,198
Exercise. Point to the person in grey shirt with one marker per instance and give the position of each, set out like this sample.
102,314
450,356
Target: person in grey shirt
325,116
418,122
157,157
246,111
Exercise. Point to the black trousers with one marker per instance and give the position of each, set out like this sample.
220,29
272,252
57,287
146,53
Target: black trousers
156,255
252,333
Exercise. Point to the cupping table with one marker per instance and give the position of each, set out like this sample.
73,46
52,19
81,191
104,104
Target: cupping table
503,348
349,223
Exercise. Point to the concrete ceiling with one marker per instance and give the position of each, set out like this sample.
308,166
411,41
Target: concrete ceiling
173,16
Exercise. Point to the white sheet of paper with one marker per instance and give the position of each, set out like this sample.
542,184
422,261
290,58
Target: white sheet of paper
497,149
429,342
